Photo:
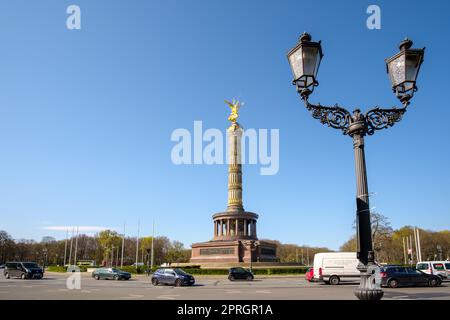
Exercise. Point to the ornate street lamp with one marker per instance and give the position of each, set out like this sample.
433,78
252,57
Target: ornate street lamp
305,59
403,69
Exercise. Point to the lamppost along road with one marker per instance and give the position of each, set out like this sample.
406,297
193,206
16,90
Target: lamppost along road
403,69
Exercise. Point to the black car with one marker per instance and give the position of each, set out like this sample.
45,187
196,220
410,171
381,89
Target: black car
23,270
172,276
240,273
395,276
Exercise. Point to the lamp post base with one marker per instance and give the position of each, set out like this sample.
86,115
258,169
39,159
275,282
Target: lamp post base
369,294
369,287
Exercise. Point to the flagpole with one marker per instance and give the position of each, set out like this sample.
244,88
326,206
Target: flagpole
153,237
137,245
71,242
76,248
65,247
123,243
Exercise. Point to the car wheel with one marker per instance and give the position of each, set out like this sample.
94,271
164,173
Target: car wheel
116,278
334,280
23,276
231,278
178,283
249,278
97,277
154,281
7,275
393,283
433,282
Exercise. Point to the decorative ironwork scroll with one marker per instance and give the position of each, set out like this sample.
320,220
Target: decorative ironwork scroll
339,118
335,117
378,119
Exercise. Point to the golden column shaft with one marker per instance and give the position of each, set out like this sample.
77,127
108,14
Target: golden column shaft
235,168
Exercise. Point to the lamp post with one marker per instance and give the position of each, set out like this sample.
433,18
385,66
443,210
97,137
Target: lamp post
403,69
148,261
45,251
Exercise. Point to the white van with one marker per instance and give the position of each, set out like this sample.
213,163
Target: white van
439,268
332,267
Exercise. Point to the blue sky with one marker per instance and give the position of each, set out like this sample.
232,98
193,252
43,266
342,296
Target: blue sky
86,115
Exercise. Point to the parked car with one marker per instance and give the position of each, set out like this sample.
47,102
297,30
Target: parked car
309,275
240,273
439,268
172,276
334,267
2,266
110,273
23,270
395,276
72,268
138,264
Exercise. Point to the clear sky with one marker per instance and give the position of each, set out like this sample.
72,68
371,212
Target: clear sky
86,115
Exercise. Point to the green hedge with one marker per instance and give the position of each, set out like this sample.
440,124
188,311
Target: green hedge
269,271
196,270
206,271
134,270
259,271
64,268
56,268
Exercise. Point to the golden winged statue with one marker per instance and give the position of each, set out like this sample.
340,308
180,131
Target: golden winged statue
235,105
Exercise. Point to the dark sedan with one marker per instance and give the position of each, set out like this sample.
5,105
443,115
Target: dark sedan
110,273
174,277
239,273
396,276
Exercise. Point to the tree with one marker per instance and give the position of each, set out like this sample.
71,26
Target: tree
107,240
177,253
6,244
381,237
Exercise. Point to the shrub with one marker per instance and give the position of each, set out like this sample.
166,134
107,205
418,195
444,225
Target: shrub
258,271
56,268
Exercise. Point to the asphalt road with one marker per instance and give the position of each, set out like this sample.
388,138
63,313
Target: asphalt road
54,286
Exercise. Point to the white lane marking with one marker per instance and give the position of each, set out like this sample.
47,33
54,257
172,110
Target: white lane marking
168,296
399,297
232,291
133,296
263,291
86,291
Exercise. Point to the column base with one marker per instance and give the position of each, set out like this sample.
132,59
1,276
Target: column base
369,287
368,294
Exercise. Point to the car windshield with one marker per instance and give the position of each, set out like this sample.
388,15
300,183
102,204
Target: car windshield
30,265
180,272
115,270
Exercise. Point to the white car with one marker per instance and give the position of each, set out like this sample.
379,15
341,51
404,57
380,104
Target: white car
439,268
138,264
333,267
